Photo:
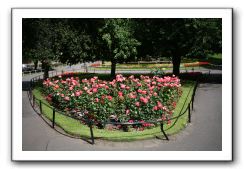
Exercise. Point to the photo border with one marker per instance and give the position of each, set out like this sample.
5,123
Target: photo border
19,155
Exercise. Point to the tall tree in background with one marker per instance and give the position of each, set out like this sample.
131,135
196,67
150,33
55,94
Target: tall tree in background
38,41
178,37
48,40
117,41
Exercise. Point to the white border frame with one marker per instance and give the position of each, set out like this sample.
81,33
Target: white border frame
19,155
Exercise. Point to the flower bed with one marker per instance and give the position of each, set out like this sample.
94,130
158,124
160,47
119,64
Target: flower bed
121,100
194,64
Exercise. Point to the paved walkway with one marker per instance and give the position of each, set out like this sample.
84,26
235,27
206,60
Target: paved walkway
203,134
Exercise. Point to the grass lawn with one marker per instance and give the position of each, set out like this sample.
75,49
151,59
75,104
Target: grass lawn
74,127
150,67
215,59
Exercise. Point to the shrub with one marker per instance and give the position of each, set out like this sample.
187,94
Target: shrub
122,99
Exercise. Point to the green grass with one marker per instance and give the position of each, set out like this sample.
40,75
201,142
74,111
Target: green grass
215,59
74,127
151,69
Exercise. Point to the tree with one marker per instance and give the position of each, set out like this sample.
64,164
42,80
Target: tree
178,37
49,40
117,42
38,40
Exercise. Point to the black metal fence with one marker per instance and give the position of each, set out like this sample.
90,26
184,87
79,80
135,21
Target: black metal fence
38,106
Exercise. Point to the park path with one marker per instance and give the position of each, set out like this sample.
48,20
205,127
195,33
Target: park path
203,134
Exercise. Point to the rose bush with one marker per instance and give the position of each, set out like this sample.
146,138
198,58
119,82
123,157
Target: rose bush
126,99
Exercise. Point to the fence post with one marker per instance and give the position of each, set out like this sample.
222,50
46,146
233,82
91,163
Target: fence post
40,106
162,129
91,130
34,100
53,118
189,113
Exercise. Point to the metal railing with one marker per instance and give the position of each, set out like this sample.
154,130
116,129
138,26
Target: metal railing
38,104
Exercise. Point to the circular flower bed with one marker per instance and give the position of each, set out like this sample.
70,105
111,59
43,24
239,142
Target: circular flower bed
121,100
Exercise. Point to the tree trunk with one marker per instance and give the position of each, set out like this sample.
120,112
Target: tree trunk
176,64
45,66
113,68
35,64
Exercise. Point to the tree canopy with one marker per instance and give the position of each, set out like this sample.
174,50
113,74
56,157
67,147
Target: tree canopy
74,40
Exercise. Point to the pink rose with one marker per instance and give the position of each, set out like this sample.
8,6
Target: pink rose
137,104
143,92
138,84
96,100
120,78
71,88
155,108
66,98
56,87
132,96
94,90
160,106
122,86
144,100
127,112
110,98
127,88
151,88
120,93
78,93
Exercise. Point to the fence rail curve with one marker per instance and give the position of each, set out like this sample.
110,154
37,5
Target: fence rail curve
34,101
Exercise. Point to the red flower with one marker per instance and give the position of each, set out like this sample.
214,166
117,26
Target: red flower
144,100
56,87
155,108
66,98
127,112
155,94
96,100
120,78
160,106
138,84
110,98
78,93
143,92
94,90
120,93
122,86
132,96
131,121
137,104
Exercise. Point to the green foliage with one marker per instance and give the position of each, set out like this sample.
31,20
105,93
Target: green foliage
74,127
117,37
120,39
144,99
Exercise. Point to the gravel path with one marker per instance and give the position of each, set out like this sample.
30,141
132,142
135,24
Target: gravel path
203,134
